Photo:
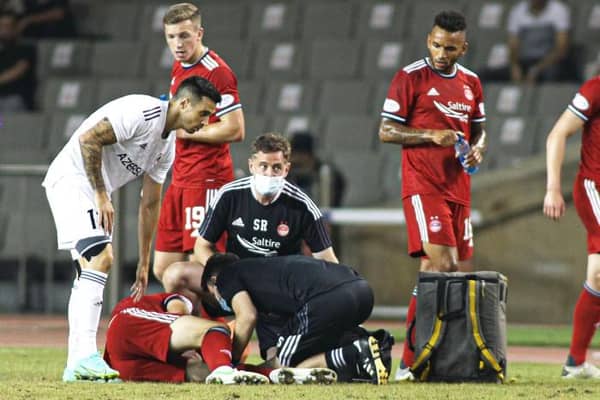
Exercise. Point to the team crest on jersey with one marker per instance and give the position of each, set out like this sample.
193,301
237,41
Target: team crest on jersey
434,224
283,229
468,92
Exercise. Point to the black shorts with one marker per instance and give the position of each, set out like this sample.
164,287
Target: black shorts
320,324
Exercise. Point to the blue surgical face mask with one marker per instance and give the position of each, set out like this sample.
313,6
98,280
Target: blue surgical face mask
223,304
268,185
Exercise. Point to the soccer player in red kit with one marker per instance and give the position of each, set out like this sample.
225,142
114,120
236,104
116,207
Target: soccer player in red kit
202,159
430,103
145,341
583,112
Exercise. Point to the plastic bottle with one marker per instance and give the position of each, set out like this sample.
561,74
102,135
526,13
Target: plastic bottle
462,148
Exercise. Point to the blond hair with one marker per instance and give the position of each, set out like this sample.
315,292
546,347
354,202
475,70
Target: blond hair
182,12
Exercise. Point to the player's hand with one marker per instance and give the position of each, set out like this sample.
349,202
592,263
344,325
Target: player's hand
554,204
475,156
138,289
106,212
446,137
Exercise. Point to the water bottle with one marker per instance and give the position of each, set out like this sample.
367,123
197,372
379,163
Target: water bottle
462,149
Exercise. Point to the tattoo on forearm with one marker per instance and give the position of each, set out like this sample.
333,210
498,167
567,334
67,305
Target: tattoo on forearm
91,144
405,135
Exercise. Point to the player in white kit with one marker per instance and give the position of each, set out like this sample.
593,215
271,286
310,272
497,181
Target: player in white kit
127,138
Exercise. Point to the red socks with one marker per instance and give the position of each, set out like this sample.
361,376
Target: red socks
255,368
216,348
585,317
408,356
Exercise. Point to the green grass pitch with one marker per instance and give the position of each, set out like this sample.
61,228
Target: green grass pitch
28,373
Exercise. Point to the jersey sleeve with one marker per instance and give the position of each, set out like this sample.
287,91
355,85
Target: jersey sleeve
226,83
159,172
479,112
399,98
586,102
215,222
127,119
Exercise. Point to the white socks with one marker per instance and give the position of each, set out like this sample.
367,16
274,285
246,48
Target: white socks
85,307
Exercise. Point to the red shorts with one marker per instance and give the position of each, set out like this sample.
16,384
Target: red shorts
181,214
137,345
432,219
587,203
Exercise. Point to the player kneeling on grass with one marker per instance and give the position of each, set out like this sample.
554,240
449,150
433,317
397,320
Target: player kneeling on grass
323,303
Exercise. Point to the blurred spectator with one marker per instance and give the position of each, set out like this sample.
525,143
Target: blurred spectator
42,19
538,42
17,67
307,169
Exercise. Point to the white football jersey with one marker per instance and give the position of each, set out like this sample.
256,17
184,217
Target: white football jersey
138,122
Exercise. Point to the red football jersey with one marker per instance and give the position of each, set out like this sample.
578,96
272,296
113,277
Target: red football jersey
586,105
421,97
198,163
151,303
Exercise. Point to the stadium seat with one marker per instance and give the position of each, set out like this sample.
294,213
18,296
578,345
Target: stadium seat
251,95
586,22
23,137
68,94
63,58
489,51
150,29
382,19
383,59
347,97
237,54
362,171
289,124
392,163
224,20
486,17
507,99
273,20
326,20
108,20
112,88
62,126
379,96
511,140
349,132
423,13
333,59
289,97
158,61
553,98
256,125
278,60
117,59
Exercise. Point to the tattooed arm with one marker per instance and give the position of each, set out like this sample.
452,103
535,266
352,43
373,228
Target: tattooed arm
91,143
395,132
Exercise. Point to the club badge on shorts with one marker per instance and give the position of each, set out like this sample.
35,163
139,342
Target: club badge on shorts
434,224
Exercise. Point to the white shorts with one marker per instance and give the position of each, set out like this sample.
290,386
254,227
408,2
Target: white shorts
75,214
